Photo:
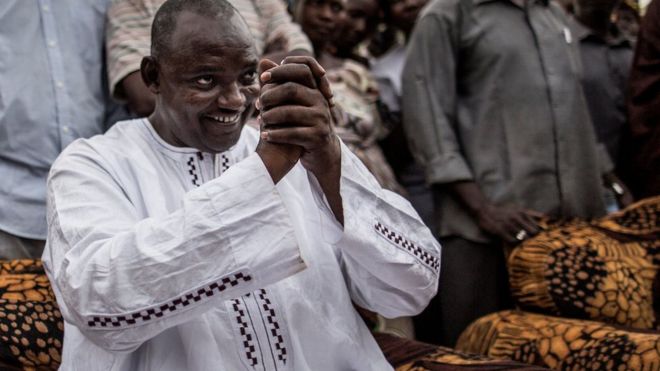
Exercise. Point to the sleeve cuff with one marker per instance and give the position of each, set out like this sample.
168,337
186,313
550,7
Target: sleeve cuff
255,198
447,169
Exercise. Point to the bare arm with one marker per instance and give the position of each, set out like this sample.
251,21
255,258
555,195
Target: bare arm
505,222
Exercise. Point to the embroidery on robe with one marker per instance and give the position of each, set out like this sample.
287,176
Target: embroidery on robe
248,337
275,331
171,306
192,170
261,336
225,162
399,241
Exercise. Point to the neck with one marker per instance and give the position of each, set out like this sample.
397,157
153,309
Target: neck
319,48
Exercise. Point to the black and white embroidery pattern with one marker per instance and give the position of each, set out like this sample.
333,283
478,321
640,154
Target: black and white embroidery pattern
273,326
171,306
224,162
246,331
192,170
262,337
424,256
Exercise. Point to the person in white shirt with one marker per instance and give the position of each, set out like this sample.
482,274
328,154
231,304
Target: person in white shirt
186,241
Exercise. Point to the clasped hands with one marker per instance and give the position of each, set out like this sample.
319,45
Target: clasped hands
295,117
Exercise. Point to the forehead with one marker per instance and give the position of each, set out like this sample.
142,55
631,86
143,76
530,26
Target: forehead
364,5
315,3
197,37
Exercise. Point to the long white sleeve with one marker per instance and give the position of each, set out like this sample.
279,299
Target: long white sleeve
391,260
123,279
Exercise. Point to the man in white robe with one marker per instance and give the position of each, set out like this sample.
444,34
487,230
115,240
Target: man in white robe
186,241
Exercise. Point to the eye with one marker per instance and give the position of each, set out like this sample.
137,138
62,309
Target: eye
336,7
249,77
204,81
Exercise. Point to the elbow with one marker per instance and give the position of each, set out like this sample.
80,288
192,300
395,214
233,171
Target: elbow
410,302
112,341
75,306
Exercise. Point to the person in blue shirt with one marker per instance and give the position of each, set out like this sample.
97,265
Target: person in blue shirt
52,91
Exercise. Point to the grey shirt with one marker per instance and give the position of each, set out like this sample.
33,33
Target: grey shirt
491,94
607,66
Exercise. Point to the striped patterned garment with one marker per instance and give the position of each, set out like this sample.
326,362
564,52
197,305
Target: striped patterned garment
128,33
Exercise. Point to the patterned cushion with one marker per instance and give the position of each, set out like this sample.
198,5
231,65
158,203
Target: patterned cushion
31,326
600,270
560,343
410,355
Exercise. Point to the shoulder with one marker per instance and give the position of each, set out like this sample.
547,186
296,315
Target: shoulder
446,9
123,140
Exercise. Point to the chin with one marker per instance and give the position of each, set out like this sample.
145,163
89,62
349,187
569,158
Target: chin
224,143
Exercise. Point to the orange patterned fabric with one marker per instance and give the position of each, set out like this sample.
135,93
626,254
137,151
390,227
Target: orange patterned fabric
559,343
409,355
31,326
601,270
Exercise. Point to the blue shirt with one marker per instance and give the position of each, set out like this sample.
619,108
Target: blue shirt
53,90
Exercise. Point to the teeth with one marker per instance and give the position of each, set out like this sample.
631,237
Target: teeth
226,119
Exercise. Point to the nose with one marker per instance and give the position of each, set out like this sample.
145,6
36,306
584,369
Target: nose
232,98
326,13
360,25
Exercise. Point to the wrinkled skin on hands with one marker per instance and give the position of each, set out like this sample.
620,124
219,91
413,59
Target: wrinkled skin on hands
295,117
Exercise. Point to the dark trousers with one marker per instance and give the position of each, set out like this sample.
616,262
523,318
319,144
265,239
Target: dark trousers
473,283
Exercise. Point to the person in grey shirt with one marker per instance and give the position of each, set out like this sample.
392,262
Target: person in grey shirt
608,55
52,92
494,111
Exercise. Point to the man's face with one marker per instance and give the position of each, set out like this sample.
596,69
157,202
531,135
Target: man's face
360,22
320,19
404,13
206,84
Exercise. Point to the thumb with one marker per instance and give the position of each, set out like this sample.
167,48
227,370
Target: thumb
265,65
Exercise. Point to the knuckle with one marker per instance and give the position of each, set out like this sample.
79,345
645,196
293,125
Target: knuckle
267,117
291,90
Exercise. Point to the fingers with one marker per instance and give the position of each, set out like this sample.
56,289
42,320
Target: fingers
525,226
297,73
528,224
308,137
289,93
292,115
310,62
318,72
265,65
534,214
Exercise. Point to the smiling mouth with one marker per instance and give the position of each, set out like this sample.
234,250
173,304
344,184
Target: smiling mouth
225,120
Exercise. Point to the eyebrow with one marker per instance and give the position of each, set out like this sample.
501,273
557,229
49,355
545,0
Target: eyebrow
218,68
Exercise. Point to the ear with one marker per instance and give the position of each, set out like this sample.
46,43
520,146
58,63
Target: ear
150,71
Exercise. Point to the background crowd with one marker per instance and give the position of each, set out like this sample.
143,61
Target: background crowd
489,116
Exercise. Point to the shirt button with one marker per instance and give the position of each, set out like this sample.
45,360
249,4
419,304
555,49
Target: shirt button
59,84
45,8
51,44
65,129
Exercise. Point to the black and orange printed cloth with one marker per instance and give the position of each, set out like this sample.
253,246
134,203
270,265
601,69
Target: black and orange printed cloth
560,343
31,326
604,270
409,355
